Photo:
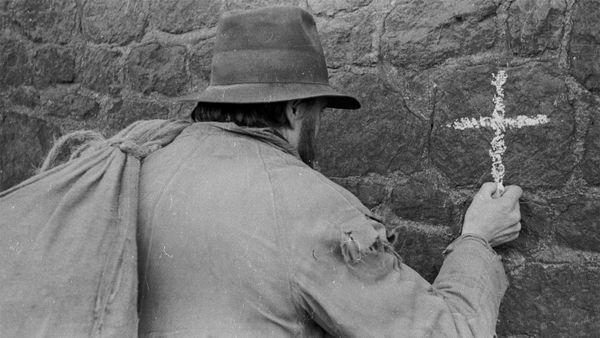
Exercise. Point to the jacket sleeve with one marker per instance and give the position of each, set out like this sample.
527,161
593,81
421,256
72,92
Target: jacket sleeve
348,280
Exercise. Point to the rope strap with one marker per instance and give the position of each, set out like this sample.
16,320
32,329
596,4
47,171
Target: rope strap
139,140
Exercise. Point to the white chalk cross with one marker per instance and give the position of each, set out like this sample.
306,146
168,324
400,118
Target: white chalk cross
498,123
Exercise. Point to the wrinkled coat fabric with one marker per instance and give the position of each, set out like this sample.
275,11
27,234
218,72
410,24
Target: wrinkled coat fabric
68,256
238,238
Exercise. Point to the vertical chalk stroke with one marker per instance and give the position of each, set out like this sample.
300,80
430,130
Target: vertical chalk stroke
498,123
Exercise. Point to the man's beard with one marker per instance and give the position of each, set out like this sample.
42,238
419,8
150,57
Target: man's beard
306,143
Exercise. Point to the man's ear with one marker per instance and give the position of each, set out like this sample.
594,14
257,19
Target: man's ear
293,114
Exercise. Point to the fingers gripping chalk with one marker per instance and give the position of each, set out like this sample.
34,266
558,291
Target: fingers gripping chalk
488,190
499,191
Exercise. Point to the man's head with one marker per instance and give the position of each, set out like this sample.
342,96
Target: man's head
268,70
296,120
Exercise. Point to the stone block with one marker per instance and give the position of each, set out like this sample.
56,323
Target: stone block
535,26
331,8
45,20
126,111
199,63
421,249
584,51
425,33
422,201
551,300
154,67
24,142
578,225
229,5
369,193
537,224
5,18
537,156
15,67
114,21
101,68
348,38
25,96
64,102
591,158
382,137
53,64
180,16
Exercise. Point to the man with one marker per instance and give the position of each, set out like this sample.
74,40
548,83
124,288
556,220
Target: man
239,236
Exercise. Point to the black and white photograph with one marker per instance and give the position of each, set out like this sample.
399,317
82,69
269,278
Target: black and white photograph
299,168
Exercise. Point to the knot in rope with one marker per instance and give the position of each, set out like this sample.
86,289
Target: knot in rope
138,151
139,140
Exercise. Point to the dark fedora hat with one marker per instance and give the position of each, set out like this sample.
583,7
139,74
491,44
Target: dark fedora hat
268,55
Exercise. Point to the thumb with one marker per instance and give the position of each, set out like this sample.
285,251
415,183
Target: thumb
488,189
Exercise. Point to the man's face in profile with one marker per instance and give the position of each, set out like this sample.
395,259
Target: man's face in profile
309,130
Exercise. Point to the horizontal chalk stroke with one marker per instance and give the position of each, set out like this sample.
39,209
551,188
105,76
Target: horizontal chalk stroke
487,122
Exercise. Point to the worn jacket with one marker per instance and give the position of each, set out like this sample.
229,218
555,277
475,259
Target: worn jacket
239,238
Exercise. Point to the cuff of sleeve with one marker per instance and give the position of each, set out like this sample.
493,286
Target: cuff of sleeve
468,237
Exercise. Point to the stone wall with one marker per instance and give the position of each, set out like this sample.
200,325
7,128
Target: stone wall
416,66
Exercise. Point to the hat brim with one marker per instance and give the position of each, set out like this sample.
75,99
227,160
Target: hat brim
272,92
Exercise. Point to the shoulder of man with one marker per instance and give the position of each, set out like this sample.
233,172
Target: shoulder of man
302,186
324,215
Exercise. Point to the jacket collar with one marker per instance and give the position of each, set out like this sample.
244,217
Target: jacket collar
266,135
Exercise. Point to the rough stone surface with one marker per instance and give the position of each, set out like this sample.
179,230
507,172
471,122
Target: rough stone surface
370,193
114,21
331,8
535,26
425,259
552,300
45,20
239,4
177,16
585,44
591,161
125,112
24,96
578,225
67,103
153,67
352,34
199,63
100,69
414,65
422,201
15,68
538,225
538,156
53,65
425,33
24,141
386,139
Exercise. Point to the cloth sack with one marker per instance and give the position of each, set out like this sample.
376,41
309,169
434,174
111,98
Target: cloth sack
68,255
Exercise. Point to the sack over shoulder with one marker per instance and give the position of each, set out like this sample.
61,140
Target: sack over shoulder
68,256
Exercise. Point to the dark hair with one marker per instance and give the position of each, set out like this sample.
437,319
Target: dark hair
259,115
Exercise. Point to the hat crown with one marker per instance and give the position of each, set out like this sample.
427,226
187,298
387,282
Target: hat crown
268,55
272,28
268,45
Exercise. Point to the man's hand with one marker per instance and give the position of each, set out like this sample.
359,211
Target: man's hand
497,220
